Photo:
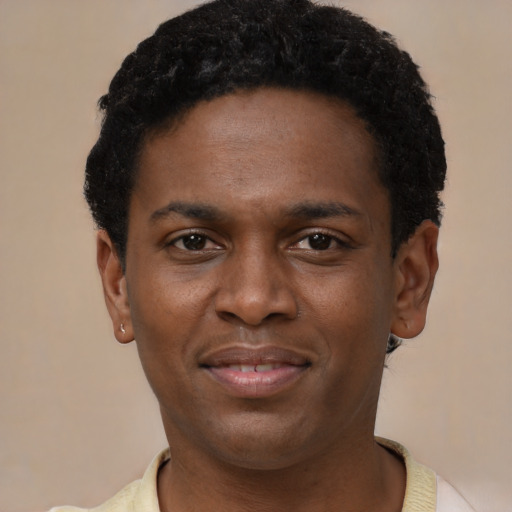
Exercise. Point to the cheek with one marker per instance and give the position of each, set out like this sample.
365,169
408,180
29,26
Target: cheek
352,309
161,302
168,317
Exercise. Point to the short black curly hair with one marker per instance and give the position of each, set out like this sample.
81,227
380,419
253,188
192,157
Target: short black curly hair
228,45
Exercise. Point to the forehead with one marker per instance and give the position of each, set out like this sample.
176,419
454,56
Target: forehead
255,145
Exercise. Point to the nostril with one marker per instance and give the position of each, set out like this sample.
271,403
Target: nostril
226,315
253,318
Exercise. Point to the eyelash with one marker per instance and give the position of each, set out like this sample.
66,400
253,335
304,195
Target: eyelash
204,237
327,237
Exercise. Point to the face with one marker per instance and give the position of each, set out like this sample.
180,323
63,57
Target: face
259,283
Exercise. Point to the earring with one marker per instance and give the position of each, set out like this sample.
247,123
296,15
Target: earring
122,329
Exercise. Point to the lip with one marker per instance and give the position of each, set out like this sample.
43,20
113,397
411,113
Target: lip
255,372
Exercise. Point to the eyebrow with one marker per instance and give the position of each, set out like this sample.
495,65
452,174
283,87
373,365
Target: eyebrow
306,211
310,211
191,210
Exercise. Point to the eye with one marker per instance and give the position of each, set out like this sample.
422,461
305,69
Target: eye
194,242
318,242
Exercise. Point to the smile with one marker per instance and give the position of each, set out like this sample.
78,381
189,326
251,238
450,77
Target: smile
258,368
250,373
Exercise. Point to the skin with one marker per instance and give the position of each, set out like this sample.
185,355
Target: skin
258,222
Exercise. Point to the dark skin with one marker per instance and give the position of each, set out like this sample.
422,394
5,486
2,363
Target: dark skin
261,291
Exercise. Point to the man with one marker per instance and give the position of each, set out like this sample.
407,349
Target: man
266,184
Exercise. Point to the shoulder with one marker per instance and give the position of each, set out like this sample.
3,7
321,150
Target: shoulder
121,502
141,495
425,491
449,500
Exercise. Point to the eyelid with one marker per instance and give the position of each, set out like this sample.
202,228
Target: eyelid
180,235
341,241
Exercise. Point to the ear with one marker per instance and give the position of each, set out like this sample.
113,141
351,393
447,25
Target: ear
114,287
416,267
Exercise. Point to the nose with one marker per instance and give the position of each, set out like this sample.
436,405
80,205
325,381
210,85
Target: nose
255,288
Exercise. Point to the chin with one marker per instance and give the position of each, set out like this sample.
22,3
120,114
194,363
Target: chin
258,444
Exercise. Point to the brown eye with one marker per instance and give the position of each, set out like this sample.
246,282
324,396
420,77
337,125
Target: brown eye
319,242
193,242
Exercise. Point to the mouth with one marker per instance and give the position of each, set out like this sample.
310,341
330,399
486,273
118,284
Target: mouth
255,373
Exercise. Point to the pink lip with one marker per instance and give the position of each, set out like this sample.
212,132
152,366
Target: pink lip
274,370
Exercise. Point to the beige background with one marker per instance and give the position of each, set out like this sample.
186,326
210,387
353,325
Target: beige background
77,419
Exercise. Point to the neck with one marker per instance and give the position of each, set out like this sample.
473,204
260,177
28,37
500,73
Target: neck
358,476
